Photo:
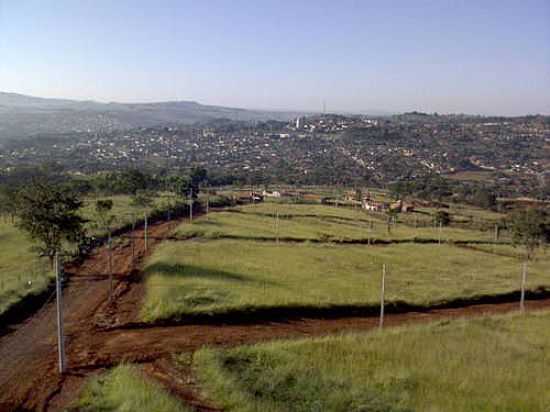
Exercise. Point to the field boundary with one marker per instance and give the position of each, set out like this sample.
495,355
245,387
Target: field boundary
263,315
333,240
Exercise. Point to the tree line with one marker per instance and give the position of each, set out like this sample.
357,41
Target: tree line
47,204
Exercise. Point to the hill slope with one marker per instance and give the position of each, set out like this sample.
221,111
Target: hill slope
24,116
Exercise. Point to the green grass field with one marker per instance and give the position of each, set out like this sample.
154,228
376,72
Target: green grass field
125,389
123,210
217,276
489,364
315,222
18,266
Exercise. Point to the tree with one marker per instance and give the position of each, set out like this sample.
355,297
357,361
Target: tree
530,228
143,199
180,185
49,214
8,202
198,175
484,198
104,217
442,218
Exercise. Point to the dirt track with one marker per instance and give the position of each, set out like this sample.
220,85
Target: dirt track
28,356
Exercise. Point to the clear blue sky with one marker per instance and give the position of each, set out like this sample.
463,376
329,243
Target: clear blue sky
478,56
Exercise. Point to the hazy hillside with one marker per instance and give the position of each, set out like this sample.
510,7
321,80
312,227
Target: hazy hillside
23,116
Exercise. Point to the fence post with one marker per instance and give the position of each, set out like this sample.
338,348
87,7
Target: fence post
190,203
145,232
110,245
523,281
59,302
133,236
382,297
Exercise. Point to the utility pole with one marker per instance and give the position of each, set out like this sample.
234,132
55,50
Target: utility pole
110,246
207,204
59,301
277,226
145,231
133,237
440,229
523,281
382,297
191,208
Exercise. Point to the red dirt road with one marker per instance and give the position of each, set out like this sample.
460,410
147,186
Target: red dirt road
28,355
96,337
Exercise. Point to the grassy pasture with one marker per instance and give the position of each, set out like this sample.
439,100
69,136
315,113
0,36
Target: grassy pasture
315,222
18,266
489,364
122,210
125,389
217,276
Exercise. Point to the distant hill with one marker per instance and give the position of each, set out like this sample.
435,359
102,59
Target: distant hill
26,116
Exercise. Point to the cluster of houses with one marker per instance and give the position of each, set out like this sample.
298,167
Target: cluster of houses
367,202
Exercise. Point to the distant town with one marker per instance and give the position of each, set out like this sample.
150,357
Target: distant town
512,153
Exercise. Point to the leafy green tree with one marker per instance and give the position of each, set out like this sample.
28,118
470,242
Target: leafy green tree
103,210
530,228
142,199
181,185
484,198
198,176
442,218
8,202
49,214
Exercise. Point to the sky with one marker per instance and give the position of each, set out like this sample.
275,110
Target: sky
478,56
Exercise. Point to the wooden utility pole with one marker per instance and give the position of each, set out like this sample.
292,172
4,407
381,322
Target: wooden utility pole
145,237
277,226
191,208
110,247
207,204
382,297
59,301
133,237
440,230
523,281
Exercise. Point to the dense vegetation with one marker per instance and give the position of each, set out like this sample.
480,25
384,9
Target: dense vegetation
489,364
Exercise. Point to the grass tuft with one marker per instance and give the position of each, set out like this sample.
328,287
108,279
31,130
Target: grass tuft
124,389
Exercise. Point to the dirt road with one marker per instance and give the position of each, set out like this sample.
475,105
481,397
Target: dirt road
28,355
99,335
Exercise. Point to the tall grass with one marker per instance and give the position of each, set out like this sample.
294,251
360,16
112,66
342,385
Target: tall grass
22,272
315,222
124,389
490,364
123,210
217,276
